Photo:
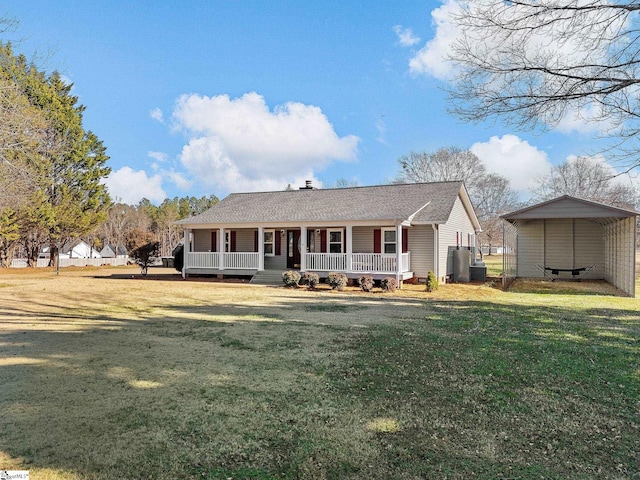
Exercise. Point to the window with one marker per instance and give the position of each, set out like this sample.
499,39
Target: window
269,243
389,240
227,241
335,241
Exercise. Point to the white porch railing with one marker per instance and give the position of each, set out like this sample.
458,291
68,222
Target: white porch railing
232,261
360,262
202,260
321,262
241,260
330,262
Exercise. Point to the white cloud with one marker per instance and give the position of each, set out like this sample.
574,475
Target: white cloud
241,145
514,159
431,59
586,120
178,179
382,131
406,37
132,186
157,115
159,156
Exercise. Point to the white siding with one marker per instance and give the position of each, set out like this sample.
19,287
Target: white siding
459,220
530,248
421,248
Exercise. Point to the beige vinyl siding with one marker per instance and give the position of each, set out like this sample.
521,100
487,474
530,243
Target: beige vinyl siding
421,249
245,240
459,220
202,240
530,248
589,247
558,244
362,239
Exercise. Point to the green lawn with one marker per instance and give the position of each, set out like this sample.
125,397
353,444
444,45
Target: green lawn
111,377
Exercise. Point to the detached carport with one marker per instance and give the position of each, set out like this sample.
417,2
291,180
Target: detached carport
570,237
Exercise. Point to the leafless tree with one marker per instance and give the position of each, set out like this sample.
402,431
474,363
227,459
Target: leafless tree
588,178
534,63
490,194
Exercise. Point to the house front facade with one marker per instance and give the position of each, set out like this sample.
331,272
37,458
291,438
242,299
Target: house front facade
403,230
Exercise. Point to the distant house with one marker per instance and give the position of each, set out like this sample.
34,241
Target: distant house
78,249
570,237
403,230
74,249
111,251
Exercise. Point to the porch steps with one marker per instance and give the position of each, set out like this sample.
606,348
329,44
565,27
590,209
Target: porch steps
267,277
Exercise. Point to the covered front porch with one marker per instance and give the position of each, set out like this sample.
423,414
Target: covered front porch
378,251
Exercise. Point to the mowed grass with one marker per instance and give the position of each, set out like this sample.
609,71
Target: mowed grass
105,376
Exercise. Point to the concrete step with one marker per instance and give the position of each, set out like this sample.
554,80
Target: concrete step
267,277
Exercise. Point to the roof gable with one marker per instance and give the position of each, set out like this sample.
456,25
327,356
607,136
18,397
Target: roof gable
415,202
569,207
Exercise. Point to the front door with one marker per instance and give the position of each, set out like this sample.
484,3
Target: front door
293,249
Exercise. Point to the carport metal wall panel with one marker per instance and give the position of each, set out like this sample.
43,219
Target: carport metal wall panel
620,253
558,243
589,247
530,248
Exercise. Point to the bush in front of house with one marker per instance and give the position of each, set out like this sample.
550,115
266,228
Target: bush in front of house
337,281
291,278
178,257
432,282
388,284
366,283
310,279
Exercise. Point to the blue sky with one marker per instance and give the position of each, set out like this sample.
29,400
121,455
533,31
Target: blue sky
212,97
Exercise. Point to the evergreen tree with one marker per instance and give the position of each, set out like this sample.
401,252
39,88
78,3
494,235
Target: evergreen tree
67,173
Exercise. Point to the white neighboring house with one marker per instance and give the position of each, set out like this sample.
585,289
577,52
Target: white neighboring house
75,249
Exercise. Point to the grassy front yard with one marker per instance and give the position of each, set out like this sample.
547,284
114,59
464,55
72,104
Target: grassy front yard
105,376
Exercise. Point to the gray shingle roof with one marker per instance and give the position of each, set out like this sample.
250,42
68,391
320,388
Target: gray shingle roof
384,202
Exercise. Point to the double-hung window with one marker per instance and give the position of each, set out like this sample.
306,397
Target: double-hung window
269,243
389,244
335,241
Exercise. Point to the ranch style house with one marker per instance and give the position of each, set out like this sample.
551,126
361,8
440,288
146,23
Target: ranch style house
402,230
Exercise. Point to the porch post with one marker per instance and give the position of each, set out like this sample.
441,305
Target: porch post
261,248
221,243
303,248
349,234
398,254
185,251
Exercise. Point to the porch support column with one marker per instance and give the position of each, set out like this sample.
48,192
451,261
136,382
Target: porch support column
349,234
261,248
185,251
399,254
221,246
303,248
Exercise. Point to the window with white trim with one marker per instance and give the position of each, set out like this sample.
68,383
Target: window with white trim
269,242
389,244
334,240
